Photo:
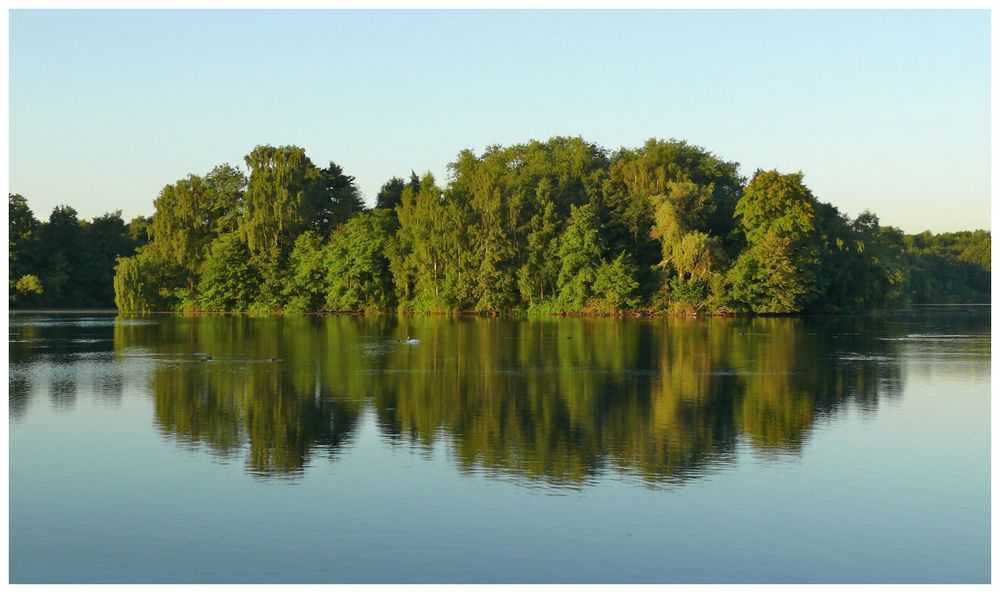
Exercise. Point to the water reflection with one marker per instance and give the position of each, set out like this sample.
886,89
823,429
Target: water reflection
559,401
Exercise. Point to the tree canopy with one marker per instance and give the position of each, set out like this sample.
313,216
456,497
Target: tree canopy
561,226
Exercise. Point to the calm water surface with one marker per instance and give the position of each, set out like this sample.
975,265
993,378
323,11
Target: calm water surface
232,449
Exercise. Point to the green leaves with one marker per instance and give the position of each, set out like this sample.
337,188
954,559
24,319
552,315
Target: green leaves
283,193
560,226
777,203
580,253
227,281
777,273
615,285
357,276
766,279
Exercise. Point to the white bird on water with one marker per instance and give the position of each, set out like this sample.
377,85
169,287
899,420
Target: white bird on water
412,341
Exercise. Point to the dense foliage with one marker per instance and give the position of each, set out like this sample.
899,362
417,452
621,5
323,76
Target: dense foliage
561,226
65,262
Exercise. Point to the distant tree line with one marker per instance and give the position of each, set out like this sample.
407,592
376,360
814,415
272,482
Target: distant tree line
561,227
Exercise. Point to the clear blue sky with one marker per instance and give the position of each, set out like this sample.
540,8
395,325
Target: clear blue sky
885,110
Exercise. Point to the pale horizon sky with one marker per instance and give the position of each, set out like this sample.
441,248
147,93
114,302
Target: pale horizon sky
881,110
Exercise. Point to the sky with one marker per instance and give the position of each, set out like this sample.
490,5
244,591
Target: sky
881,110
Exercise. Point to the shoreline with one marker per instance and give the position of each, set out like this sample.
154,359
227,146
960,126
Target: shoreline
470,314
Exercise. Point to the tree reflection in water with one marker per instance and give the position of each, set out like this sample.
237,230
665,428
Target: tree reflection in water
557,400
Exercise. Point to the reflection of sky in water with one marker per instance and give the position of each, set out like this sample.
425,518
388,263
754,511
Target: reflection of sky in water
634,452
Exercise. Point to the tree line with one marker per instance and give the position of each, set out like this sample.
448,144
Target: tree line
66,262
560,227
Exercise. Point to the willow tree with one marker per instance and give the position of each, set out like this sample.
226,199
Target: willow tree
137,283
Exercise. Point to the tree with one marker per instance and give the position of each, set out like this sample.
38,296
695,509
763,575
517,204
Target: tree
420,254
224,187
537,277
391,194
283,199
702,188
778,272
338,200
139,285
27,290
615,285
183,227
777,203
227,281
357,270
765,278
138,230
580,254
494,249
304,290
60,242
103,240
22,241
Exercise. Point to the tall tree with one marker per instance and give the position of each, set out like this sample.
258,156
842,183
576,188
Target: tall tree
22,242
420,255
580,255
183,227
778,273
338,199
282,199
391,193
60,239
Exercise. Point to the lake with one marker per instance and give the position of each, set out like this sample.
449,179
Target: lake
330,449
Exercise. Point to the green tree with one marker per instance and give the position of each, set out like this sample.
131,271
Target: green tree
103,240
281,200
22,241
539,273
227,281
391,193
357,269
419,257
615,285
138,230
305,288
27,291
139,284
580,253
777,273
183,227
765,278
223,187
339,199
60,242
